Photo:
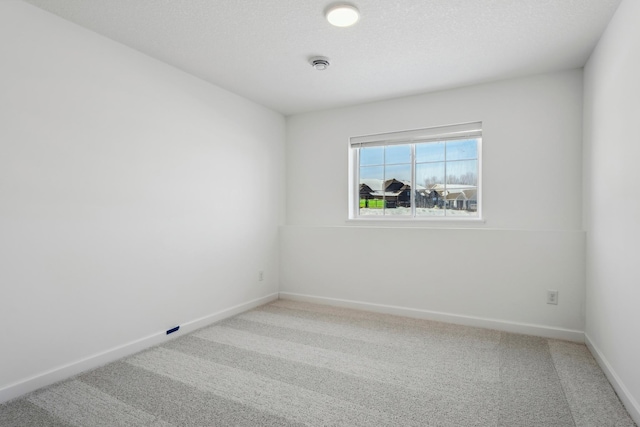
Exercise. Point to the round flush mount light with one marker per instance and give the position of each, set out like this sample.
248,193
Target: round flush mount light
320,63
342,15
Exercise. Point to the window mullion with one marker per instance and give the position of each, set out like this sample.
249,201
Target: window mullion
412,196
444,193
384,179
356,185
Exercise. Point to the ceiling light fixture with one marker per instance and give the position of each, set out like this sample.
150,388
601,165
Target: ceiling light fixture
342,15
319,63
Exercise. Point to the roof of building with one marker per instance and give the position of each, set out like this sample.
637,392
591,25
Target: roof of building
377,184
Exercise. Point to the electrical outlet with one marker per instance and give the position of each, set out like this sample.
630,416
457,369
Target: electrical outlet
552,297
260,275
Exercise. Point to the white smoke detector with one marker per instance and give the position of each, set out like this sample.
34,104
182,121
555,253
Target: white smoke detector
319,63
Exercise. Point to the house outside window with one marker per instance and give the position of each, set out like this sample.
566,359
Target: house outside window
431,173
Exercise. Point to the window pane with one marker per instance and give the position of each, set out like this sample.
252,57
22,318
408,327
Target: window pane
371,156
462,188
371,207
399,205
463,172
397,154
397,191
462,202
430,152
429,187
429,174
372,172
398,172
371,183
464,149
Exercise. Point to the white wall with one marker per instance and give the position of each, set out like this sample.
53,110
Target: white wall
531,240
612,210
532,139
133,198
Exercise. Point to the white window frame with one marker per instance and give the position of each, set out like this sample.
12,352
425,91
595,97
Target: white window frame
460,131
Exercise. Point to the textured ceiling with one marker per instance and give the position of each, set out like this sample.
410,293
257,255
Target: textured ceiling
260,48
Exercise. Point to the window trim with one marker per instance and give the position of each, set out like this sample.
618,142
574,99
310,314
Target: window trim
470,130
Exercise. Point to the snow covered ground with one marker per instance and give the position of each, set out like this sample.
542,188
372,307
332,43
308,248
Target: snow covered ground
420,212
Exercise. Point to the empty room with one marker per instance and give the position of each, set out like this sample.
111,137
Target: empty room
284,213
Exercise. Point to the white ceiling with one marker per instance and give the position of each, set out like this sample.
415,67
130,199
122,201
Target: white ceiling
260,48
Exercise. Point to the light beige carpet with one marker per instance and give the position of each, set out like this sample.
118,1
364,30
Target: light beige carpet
290,363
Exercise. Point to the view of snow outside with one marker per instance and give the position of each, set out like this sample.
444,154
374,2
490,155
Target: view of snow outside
437,212
446,179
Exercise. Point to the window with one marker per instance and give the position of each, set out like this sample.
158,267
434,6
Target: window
424,173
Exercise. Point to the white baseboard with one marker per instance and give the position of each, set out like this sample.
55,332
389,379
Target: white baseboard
67,371
631,405
500,325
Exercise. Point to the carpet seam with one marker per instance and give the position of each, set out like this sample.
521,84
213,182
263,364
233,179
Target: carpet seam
564,391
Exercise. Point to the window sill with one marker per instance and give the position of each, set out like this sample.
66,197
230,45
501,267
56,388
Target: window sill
417,222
